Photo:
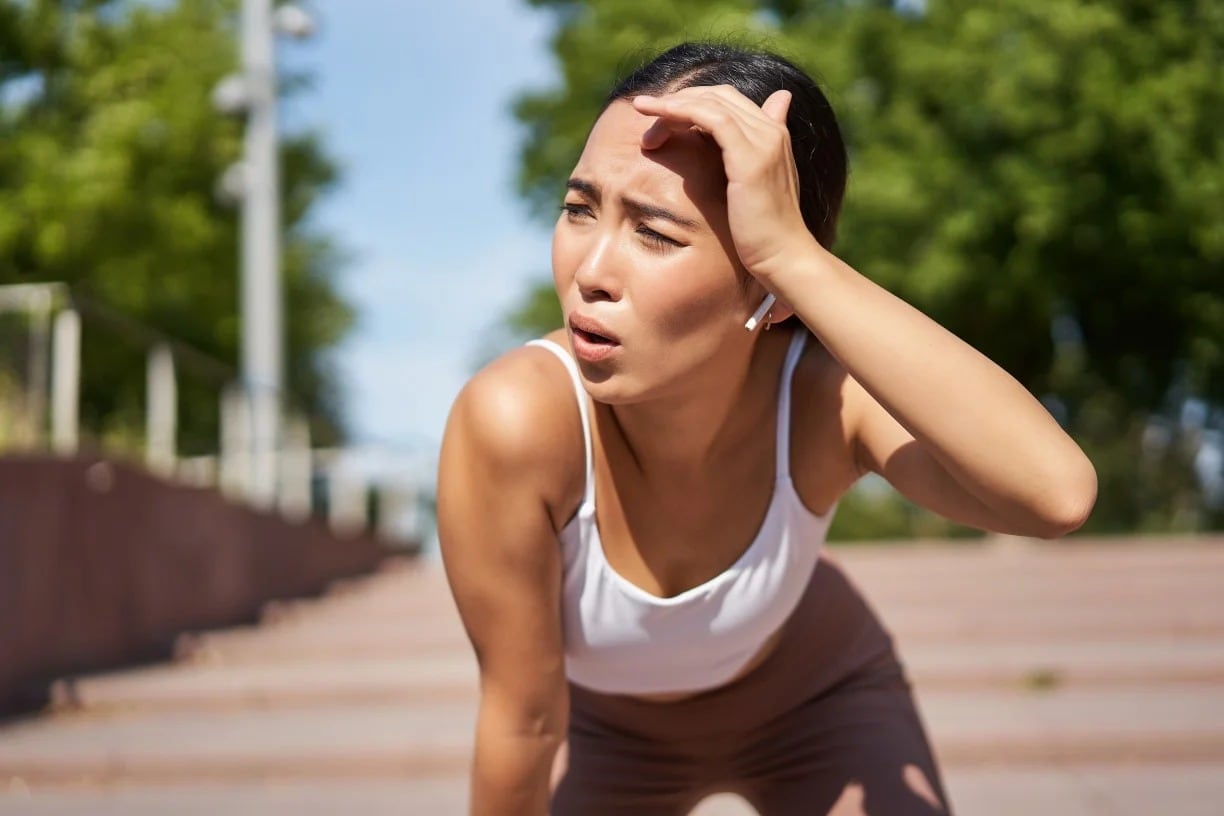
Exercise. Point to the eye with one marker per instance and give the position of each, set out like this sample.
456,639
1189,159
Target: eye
575,211
657,240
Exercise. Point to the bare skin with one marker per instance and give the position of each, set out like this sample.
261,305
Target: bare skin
682,406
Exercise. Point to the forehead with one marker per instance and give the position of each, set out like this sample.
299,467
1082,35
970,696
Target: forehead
687,165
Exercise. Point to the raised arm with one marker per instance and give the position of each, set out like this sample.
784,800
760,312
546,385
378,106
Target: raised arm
939,420
947,427
503,562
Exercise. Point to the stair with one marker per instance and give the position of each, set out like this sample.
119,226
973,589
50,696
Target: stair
1060,678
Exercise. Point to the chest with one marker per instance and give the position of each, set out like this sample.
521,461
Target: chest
674,535
668,540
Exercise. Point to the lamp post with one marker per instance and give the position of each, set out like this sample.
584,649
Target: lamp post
255,182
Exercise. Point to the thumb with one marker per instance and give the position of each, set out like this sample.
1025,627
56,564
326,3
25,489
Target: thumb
777,105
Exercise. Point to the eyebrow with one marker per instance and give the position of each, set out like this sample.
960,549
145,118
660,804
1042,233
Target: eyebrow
639,208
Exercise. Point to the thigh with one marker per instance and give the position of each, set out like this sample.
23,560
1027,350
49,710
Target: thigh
857,750
597,774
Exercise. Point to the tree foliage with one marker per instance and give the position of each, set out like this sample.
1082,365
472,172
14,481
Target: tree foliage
110,153
1045,178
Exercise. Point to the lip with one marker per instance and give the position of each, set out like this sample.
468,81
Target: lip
592,326
587,350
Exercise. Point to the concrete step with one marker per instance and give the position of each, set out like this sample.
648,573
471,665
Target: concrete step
1088,790
451,675
1060,679
449,672
318,741
1066,790
1067,663
325,640
429,736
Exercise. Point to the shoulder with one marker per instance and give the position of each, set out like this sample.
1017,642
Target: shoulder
516,422
501,470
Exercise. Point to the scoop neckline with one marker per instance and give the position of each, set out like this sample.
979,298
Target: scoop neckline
586,513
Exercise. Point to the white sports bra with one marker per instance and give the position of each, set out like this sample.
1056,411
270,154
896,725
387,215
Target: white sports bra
620,639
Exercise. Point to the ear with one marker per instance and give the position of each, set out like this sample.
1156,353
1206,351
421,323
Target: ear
779,311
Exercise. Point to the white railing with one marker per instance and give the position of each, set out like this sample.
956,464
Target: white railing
339,483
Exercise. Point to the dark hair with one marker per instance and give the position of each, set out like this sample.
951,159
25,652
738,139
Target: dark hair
816,141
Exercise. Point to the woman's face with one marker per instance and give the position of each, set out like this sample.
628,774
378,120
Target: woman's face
642,256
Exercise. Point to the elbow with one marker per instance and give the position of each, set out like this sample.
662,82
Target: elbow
542,717
549,727
1071,502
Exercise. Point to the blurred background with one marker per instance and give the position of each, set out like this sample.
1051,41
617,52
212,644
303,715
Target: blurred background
250,251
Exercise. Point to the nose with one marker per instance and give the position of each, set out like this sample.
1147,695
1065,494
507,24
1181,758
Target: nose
597,276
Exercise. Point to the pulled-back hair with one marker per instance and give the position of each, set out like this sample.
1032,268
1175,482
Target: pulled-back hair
816,141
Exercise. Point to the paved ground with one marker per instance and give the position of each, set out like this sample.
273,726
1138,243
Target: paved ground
1058,679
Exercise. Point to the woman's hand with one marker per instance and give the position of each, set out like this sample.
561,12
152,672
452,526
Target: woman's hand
762,184
946,426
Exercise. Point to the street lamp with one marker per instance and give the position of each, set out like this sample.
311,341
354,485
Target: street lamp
255,182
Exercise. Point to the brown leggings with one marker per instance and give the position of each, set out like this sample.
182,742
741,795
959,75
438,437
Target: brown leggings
825,725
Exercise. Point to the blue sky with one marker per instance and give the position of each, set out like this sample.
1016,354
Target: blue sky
413,99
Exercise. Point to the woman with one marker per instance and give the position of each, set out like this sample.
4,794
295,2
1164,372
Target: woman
632,511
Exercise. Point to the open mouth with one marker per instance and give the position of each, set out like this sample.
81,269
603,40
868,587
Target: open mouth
592,337
593,342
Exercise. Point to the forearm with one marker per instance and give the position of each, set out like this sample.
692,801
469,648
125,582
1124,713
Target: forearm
984,428
510,776
511,773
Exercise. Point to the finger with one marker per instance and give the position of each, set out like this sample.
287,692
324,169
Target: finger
778,105
727,93
728,126
750,116
755,120
660,130
664,127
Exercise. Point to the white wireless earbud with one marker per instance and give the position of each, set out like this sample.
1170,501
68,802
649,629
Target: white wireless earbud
760,313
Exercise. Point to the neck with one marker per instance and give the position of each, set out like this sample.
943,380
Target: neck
703,424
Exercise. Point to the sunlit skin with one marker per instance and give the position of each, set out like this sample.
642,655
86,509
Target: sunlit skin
670,291
674,294
673,291
683,451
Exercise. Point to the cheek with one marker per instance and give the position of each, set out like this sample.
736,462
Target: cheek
688,299
563,264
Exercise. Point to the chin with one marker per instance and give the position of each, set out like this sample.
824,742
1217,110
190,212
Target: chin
612,387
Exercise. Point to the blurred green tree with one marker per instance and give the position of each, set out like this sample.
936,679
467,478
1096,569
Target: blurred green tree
110,154
1045,178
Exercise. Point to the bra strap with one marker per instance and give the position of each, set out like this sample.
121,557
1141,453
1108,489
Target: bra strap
588,491
782,452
